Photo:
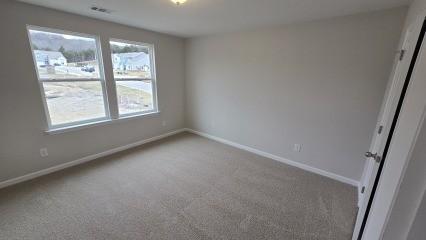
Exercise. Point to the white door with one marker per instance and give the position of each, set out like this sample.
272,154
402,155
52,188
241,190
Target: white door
386,117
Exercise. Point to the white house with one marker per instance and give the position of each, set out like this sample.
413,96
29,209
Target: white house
134,61
49,58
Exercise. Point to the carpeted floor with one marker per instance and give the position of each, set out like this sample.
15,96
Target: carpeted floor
182,187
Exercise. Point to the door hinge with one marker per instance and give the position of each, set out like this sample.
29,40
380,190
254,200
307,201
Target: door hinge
380,130
374,156
363,189
401,54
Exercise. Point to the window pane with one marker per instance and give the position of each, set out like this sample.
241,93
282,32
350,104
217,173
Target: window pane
63,56
74,101
130,61
134,96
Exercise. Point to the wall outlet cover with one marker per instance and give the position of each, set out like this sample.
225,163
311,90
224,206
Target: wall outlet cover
43,152
297,147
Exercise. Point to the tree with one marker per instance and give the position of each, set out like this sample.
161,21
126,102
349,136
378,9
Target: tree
128,49
61,49
89,55
80,56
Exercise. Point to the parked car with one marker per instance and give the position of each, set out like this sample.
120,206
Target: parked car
88,68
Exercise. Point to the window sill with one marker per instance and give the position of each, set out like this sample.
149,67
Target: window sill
60,130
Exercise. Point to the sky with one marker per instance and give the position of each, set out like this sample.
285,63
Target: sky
66,36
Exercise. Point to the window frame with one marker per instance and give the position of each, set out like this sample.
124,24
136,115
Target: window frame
101,79
153,79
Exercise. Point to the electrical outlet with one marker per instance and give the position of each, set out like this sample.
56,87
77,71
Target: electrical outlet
164,123
297,147
43,152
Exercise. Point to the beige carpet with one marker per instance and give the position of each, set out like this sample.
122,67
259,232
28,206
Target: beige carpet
182,187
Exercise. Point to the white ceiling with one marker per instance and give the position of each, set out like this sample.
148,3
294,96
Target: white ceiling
202,17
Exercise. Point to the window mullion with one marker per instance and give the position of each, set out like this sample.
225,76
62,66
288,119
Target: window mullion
109,79
133,79
71,80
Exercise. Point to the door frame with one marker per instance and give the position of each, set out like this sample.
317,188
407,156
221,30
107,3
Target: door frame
384,123
387,111
388,108
376,215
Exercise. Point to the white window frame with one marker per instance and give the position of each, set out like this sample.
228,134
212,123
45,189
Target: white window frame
153,79
101,79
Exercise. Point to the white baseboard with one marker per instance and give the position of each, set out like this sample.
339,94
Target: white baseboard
138,143
84,159
280,159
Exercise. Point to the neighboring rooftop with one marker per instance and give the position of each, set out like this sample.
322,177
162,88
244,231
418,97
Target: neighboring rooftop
42,54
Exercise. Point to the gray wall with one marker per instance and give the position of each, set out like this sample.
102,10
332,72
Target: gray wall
418,230
410,193
319,84
417,7
22,119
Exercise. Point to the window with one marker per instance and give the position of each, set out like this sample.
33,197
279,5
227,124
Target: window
134,75
72,81
69,72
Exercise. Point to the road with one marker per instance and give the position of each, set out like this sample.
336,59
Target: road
76,71
139,85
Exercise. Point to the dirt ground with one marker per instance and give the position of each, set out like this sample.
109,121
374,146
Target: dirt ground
77,101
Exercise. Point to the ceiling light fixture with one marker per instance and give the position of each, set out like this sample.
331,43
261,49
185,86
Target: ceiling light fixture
178,2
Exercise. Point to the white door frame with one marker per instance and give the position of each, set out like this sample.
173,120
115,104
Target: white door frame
385,119
405,134
387,112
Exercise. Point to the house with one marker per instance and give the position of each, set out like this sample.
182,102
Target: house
45,58
133,61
